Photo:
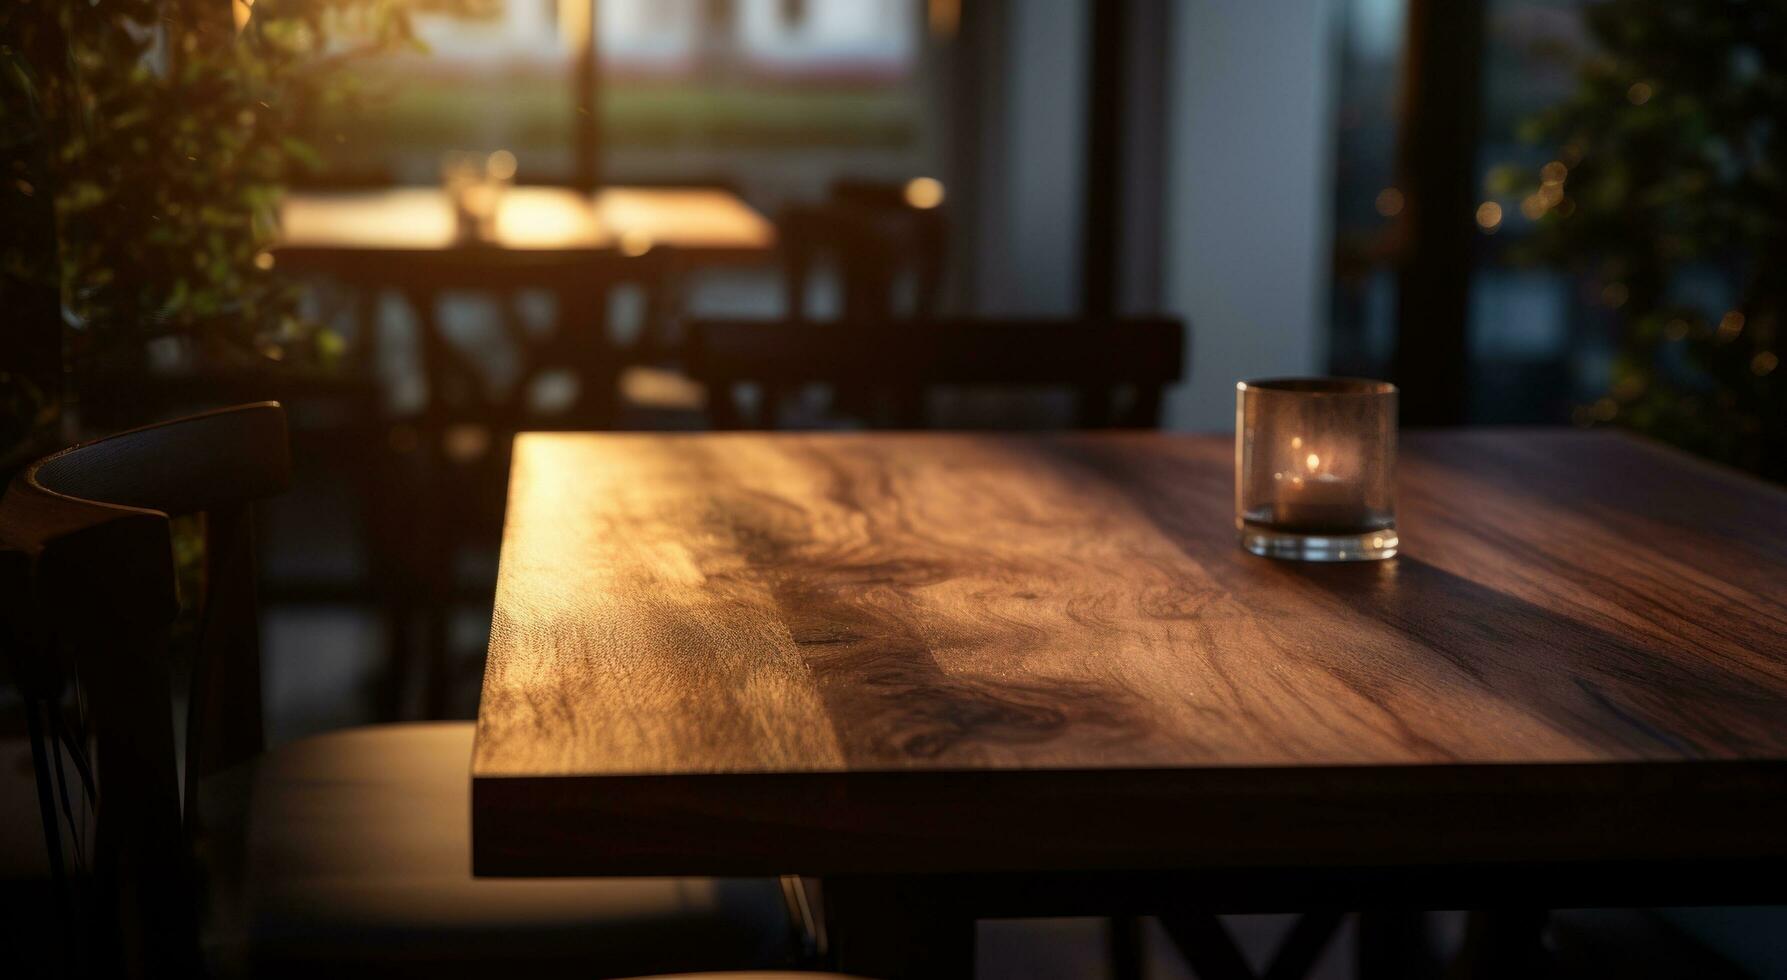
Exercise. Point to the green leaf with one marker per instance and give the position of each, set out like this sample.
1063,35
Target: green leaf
301,151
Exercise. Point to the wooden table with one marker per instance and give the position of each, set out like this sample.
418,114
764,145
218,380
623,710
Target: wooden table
344,231
572,243
1046,658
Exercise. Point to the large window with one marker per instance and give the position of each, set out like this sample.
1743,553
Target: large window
775,95
1367,202
1536,348
489,75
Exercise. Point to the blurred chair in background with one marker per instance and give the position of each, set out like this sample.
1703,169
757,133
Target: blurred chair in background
869,253
887,244
357,456
1116,368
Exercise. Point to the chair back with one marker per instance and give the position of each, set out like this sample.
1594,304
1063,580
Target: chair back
92,602
876,241
1118,367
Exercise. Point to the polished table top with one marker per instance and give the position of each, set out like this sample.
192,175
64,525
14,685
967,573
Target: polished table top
529,219
751,653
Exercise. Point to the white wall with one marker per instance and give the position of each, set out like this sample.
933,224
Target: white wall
1249,165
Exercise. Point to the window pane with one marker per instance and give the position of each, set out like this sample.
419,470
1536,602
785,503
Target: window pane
1536,351
776,95
496,74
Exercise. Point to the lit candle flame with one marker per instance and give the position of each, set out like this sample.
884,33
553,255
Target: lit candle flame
1313,461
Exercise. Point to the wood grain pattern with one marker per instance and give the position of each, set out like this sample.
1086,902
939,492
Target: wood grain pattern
964,652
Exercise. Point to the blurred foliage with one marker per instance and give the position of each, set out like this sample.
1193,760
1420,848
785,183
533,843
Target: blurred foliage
30,341
462,9
162,132
1669,197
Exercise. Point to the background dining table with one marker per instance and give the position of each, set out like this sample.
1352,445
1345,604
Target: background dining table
344,229
975,675
572,243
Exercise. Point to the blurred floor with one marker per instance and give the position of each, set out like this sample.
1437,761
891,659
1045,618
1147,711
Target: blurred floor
1046,949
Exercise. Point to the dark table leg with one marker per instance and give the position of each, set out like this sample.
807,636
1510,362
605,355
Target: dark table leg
1503,943
583,332
453,385
1394,943
1128,947
893,928
1206,945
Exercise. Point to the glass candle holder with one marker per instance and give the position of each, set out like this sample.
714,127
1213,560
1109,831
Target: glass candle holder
1315,465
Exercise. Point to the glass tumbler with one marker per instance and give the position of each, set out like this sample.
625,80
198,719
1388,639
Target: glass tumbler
1315,467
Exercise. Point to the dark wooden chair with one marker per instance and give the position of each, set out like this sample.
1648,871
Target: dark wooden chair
923,226
1117,367
343,854
876,243
885,257
342,435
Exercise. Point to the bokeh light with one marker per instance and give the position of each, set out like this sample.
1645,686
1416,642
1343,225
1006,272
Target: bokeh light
924,192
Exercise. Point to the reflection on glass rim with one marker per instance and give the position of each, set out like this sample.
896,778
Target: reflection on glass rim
1319,386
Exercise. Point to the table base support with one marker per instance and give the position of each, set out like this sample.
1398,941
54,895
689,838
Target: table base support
893,928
